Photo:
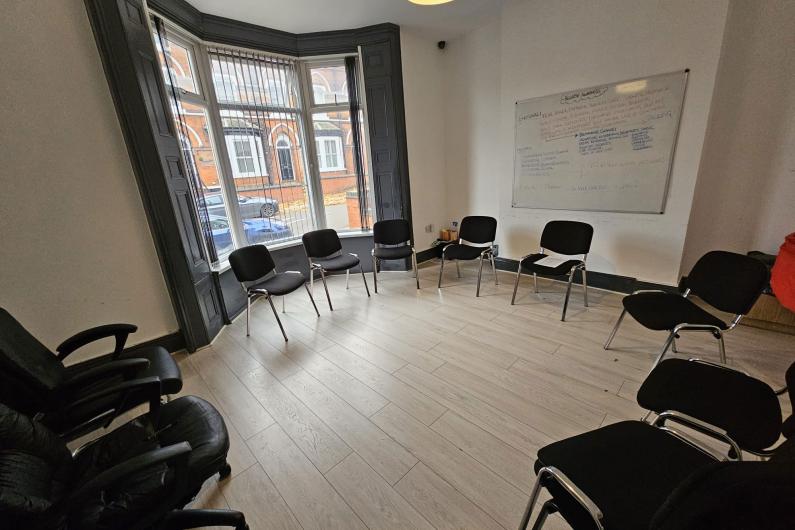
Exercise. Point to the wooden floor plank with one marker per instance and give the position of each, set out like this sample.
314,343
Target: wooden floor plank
493,494
378,505
381,452
312,500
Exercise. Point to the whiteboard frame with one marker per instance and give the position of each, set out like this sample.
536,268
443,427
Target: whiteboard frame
661,210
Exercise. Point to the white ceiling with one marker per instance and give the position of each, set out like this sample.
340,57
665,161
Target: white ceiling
301,16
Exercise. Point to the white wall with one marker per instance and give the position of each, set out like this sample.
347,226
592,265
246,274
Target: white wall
542,47
425,130
745,198
76,250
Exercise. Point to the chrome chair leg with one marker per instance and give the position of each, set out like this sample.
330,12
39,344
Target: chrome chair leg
273,308
480,273
674,349
311,299
441,270
531,504
347,277
535,283
416,270
457,268
547,508
284,305
722,349
585,286
494,270
615,329
311,279
566,300
667,345
516,284
375,274
364,279
323,277
248,310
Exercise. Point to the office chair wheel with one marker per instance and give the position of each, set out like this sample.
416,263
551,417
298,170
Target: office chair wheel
225,471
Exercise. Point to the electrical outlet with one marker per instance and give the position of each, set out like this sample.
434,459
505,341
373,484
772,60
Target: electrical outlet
496,250
429,228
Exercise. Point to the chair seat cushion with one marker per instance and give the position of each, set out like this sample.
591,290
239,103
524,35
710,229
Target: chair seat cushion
342,262
664,311
464,252
528,264
281,283
746,408
628,469
185,419
392,252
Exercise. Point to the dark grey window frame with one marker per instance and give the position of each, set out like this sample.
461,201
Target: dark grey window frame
128,56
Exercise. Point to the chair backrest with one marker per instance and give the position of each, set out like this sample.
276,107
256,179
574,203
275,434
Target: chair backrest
734,495
391,232
251,263
30,374
321,243
478,229
35,470
728,281
567,237
750,413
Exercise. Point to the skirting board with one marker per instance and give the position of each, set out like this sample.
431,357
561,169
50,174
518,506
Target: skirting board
599,280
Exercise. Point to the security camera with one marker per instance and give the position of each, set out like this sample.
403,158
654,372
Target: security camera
441,44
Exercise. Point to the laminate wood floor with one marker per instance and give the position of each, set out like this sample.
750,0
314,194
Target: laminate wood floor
424,409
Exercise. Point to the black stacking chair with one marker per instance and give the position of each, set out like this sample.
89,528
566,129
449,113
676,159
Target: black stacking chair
726,281
255,270
569,238
475,241
392,240
635,474
324,252
76,399
138,476
747,409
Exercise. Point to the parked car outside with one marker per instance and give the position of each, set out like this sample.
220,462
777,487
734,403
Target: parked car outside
257,230
250,207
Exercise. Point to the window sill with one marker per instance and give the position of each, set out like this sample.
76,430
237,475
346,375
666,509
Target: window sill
223,265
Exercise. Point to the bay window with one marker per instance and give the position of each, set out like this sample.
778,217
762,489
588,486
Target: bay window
269,141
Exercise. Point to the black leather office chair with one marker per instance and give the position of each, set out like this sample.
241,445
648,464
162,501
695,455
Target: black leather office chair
568,238
75,399
726,281
635,474
254,268
324,252
134,477
392,240
475,241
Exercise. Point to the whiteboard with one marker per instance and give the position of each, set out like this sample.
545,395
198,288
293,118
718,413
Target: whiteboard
603,148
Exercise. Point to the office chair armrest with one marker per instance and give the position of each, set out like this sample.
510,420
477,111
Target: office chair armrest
128,368
721,366
703,427
576,493
119,331
109,477
149,386
191,518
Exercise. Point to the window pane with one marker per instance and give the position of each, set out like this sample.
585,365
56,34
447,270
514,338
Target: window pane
329,84
193,128
258,101
337,167
179,61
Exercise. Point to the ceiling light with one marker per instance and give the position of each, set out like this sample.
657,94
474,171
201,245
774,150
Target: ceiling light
429,2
